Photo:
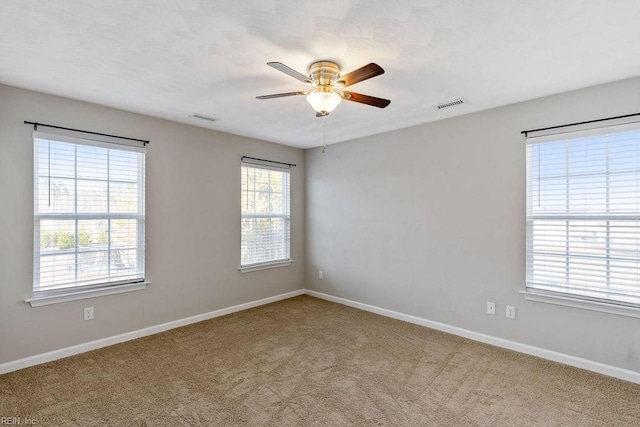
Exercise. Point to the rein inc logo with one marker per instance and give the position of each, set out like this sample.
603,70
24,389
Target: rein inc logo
17,421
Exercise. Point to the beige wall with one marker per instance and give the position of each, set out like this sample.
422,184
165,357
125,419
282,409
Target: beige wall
427,221
430,221
193,226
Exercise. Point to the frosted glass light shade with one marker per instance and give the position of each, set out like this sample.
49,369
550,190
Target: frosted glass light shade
323,101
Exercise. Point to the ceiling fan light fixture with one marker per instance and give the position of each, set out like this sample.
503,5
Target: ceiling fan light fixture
324,99
328,85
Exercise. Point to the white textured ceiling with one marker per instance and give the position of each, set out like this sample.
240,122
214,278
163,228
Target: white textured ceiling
171,58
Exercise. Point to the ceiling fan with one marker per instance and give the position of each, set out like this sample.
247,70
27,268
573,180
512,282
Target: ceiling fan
328,85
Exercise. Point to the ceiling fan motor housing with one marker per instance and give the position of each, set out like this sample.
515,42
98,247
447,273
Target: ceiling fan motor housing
324,72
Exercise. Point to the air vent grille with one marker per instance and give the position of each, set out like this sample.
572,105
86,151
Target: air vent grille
203,117
450,104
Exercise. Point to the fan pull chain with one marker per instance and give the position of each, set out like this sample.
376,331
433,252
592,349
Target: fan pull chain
324,135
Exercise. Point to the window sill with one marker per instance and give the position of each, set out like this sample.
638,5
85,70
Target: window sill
264,266
40,300
576,302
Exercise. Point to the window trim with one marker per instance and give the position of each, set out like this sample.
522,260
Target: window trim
77,292
264,266
570,300
529,293
60,297
246,268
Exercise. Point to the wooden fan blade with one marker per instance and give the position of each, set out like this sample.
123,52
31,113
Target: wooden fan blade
356,76
280,95
290,72
365,99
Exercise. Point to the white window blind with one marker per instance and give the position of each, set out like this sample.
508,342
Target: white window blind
88,214
583,214
265,215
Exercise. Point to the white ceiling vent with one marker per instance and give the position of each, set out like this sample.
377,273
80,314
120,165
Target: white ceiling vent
450,104
203,117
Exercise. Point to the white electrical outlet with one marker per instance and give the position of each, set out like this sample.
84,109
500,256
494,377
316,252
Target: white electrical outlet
88,313
511,312
491,308
320,275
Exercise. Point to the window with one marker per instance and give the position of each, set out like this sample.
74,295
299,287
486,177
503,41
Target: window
265,227
583,215
88,214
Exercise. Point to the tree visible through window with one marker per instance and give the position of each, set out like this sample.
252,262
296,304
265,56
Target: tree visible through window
88,213
265,215
583,214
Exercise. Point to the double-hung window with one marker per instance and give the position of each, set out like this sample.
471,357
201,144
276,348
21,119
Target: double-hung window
265,198
583,216
89,215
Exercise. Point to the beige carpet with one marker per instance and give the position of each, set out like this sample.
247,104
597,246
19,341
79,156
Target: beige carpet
309,362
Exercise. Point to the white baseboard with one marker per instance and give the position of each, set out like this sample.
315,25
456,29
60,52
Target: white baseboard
116,339
612,371
601,368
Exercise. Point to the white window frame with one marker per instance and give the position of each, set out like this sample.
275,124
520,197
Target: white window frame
286,216
80,291
538,293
